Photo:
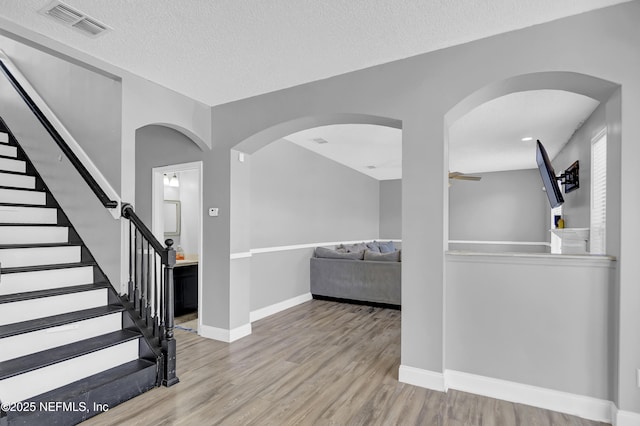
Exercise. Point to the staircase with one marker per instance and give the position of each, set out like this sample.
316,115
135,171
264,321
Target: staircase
70,347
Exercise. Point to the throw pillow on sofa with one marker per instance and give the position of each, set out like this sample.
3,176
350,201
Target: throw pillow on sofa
355,248
373,246
382,257
333,254
387,247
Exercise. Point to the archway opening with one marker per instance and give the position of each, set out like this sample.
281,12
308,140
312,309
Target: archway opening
491,135
172,207
314,182
498,293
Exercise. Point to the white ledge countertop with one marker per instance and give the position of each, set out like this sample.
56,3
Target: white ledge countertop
522,254
186,262
532,258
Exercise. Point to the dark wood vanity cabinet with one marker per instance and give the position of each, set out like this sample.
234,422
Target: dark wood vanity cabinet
185,279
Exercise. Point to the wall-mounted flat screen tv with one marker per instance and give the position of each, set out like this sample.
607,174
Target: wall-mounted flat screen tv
548,177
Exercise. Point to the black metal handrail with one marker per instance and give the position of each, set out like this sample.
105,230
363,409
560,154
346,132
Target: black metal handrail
151,288
86,175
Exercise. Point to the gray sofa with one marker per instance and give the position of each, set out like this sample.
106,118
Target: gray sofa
362,277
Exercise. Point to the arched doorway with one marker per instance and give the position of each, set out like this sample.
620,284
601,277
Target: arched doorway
313,222
164,150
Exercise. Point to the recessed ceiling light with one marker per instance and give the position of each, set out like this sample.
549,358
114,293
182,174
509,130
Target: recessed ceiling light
319,141
527,139
371,167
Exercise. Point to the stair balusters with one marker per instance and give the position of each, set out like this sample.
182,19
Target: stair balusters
151,290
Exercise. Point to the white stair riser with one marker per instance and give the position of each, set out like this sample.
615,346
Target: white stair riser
20,282
16,257
16,196
4,137
40,340
8,151
40,215
34,234
17,181
26,310
28,385
10,165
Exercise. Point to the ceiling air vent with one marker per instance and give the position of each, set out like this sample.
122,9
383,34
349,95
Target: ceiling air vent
67,15
91,26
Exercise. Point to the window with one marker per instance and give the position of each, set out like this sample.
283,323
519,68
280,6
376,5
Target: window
598,193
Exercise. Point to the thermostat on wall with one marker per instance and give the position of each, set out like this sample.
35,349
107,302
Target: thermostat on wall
213,211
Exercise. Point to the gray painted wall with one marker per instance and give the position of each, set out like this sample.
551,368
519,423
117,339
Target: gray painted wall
503,206
161,146
240,210
391,209
299,197
157,146
279,276
87,103
541,321
95,225
576,208
240,292
240,202
420,91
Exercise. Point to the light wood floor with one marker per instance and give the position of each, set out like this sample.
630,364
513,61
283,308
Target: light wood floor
319,363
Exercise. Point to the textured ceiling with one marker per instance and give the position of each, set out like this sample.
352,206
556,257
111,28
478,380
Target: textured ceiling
217,51
373,150
487,139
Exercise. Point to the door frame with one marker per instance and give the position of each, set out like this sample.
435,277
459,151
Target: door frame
157,223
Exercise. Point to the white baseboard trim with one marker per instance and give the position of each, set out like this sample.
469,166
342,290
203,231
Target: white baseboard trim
625,418
224,335
423,378
258,314
239,332
578,405
564,402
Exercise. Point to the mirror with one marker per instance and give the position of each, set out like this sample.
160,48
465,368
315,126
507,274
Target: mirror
171,217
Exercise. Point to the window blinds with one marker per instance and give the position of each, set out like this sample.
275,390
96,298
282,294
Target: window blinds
598,194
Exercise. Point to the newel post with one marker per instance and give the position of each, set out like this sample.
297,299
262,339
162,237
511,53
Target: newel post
131,246
169,343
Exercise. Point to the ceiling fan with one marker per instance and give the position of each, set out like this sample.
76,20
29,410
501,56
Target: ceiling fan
462,176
